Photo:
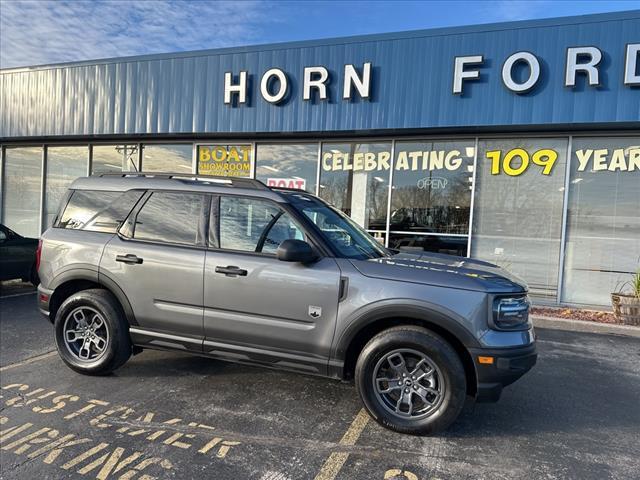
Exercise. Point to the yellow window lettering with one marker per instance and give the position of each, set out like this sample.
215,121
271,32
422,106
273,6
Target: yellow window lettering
358,160
453,161
233,155
618,162
370,161
583,158
415,156
205,154
599,160
402,163
219,154
437,160
383,160
634,159
494,156
545,158
508,158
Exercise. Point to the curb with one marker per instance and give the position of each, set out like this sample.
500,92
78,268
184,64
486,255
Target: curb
540,321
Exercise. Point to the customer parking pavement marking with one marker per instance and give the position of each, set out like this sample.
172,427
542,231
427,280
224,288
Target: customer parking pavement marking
336,460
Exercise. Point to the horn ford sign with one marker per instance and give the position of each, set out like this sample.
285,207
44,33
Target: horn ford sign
580,62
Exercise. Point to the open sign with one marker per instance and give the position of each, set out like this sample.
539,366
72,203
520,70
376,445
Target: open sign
299,183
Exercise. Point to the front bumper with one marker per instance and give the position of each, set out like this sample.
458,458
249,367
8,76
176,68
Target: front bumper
508,365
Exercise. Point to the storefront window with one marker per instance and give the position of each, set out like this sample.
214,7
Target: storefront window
518,208
22,186
225,160
177,158
431,194
64,165
114,158
603,218
354,177
288,165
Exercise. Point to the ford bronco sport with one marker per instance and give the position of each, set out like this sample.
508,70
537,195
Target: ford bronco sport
232,269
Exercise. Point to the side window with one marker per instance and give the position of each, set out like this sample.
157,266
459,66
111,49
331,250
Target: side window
97,211
253,225
170,217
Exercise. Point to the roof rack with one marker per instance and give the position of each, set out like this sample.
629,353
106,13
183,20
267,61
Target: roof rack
241,182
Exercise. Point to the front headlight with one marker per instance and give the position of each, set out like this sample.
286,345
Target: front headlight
511,313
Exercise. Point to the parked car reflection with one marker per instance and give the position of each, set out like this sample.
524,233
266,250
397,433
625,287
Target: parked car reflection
17,256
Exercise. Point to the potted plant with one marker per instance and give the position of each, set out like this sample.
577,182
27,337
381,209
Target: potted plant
626,302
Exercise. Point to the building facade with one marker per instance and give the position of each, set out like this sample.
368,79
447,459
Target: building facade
516,143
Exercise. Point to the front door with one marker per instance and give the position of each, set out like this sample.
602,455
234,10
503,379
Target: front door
159,268
258,308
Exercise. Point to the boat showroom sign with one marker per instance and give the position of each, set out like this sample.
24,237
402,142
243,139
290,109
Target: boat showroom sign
580,61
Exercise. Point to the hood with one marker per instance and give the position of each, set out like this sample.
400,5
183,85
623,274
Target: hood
442,270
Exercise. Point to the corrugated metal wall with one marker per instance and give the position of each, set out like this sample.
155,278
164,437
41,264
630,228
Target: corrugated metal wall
412,83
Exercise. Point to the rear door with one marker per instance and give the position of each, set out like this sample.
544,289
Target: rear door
258,308
158,260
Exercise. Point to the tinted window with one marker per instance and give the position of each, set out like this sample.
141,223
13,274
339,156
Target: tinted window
170,217
253,225
98,211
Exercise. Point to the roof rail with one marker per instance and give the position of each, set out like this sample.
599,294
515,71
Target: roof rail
241,182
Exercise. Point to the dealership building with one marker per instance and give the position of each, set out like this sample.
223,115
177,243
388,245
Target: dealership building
516,143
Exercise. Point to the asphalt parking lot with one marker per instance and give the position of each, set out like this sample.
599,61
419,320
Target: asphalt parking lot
168,415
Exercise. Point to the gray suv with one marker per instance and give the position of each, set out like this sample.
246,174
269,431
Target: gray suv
232,269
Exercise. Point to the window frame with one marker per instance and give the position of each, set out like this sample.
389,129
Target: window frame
309,235
126,231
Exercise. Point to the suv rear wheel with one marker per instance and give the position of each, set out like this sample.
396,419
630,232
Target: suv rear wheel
411,380
91,332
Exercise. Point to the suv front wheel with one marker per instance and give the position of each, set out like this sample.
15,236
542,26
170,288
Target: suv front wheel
91,332
411,380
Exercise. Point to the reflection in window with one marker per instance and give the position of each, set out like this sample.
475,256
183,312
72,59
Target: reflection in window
170,218
429,243
98,211
288,165
21,201
603,219
517,218
252,225
432,183
167,158
64,165
114,159
355,179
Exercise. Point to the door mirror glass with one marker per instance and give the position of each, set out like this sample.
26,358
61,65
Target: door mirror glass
3,236
292,250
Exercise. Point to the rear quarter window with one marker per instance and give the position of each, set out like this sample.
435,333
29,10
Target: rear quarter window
97,210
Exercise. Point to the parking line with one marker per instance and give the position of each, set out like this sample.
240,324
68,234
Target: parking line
336,460
17,295
37,358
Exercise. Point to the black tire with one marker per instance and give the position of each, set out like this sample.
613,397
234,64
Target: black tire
118,345
439,352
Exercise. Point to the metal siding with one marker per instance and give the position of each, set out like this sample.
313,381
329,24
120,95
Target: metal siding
411,85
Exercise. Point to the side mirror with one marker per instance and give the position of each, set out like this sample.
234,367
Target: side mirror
292,250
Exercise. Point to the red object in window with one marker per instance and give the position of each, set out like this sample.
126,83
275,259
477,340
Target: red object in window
38,254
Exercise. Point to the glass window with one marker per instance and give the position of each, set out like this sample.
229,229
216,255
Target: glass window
518,208
355,179
64,165
224,160
288,165
114,159
429,243
252,225
170,218
346,236
167,158
98,211
603,218
22,186
432,184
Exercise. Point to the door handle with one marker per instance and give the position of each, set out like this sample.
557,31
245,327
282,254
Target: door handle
129,258
231,271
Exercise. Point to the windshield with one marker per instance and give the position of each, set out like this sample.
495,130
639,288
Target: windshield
346,236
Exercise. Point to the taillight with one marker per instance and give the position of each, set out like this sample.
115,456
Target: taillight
38,254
